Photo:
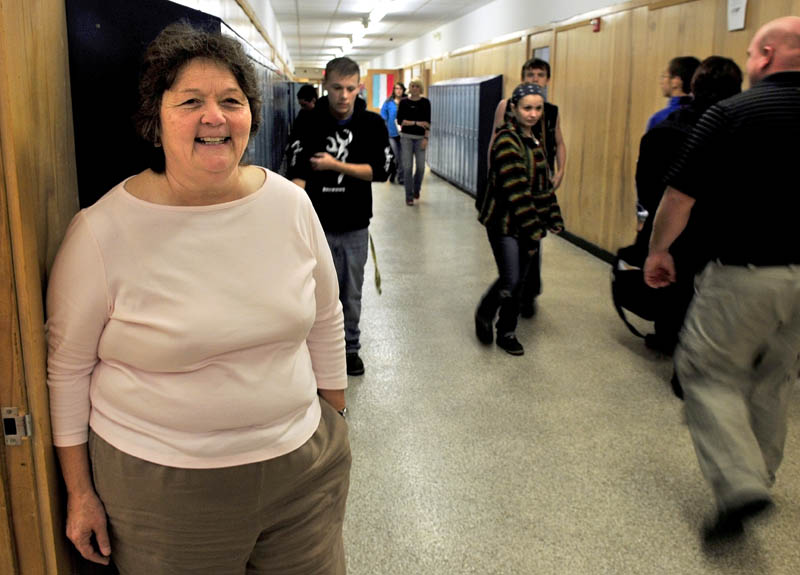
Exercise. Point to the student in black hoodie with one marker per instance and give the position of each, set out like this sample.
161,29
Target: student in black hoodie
715,79
335,157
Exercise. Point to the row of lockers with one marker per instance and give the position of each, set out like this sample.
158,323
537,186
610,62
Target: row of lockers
462,118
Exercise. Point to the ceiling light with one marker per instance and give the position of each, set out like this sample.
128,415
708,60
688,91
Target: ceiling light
358,35
379,12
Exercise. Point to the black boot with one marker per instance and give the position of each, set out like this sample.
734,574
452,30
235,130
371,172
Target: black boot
510,344
483,328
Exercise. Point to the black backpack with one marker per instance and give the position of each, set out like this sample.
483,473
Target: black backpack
628,290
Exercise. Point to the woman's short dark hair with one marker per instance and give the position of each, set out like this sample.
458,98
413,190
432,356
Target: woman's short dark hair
173,48
715,79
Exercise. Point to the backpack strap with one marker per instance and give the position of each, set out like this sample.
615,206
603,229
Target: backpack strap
617,306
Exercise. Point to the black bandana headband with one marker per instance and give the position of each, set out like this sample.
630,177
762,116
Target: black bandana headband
527,90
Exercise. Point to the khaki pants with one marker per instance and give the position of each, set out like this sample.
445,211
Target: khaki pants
280,516
737,361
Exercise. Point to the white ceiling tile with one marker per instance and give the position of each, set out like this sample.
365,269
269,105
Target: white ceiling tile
321,26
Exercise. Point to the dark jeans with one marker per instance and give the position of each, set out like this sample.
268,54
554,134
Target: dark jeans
532,282
513,260
398,158
412,154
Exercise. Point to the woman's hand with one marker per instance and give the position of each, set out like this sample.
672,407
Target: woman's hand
335,397
556,179
86,516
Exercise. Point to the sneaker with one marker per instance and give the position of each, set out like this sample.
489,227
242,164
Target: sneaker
510,343
416,195
409,202
483,329
354,364
528,310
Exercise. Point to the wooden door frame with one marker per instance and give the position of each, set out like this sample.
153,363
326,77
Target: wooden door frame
33,68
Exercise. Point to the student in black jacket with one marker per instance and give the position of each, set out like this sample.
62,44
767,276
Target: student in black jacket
715,79
335,157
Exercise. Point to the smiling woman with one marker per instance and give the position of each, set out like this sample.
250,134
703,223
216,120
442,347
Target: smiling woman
205,123
184,394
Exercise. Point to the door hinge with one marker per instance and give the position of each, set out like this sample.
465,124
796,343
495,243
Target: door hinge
15,426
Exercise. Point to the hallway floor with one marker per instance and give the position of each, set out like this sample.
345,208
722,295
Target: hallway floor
572,459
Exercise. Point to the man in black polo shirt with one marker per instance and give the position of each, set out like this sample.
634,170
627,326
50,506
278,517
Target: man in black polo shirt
738,353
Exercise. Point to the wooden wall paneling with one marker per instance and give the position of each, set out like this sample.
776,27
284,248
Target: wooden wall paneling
594,71
18,461
693,19
505,59
569,126
40,184
613,104
646,68
8,320
516,55
594,93
540,40
619,198
572,125
466,64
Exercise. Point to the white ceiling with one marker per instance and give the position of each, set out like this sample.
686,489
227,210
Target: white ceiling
313,31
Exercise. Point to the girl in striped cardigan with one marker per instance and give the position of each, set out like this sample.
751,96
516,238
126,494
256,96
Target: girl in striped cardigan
518,208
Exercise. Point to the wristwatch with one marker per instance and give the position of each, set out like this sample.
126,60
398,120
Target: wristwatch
343,412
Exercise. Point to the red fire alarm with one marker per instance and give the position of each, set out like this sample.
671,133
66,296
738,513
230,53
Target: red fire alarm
595,22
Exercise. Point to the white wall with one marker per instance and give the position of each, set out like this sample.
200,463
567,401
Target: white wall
500,18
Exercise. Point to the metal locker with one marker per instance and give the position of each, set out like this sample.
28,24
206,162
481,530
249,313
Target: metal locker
462,117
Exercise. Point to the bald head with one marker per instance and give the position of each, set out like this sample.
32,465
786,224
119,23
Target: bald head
774,48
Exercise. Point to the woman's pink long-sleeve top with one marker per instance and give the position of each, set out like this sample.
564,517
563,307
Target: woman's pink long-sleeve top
194,336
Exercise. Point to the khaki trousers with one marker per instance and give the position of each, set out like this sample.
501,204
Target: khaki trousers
280,516
737,360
